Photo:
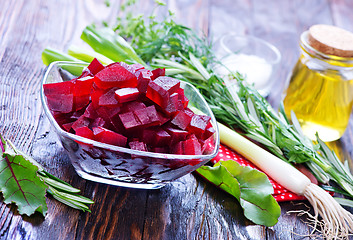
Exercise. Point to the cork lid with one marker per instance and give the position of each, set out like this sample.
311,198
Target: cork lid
331,40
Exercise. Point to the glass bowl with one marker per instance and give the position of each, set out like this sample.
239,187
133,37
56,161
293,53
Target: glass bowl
122,166
254,58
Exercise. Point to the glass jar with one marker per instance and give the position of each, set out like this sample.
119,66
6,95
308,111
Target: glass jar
320,90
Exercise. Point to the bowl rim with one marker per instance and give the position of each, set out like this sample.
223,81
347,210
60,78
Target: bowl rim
115,148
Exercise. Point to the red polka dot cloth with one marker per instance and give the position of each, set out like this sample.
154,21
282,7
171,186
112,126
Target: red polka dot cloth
280,193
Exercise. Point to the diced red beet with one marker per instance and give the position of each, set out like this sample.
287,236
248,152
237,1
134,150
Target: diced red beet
82,86
86,73
161,88
162,138
181,120
90,112
133,67
106,136
124,95
143,78
60,88
189,112
208,132
132,106
157,73
98,122
81,102
162,118
177,135
174,105
63,103
157,94
160,149
198,124
108,99
67,126
115,76
168,84
96,93
129,121
95,66
178,148
84,132
136,145
184,100
148,136
81,122
107,112
147,116
192,147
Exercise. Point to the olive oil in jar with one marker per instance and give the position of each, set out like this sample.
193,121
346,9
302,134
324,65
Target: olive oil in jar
320,92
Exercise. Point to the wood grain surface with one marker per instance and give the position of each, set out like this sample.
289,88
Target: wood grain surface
188,208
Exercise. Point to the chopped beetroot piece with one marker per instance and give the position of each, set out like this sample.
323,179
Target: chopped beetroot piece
181,120
143,78
160,89
86,73
81,122
132,106
147,116
75,115
168,84
62,118
82,86
207,146
106,136
67,126
208,132
158,73
95,66
178,148
63,103
115,76
126,94
116,124
162,119
174,105
160,149
98,122
148,136
136,145
108,99
189,112
198,124
133,67
192,147
157,94
162,138
81,102
107,112
90,112
96,93
84,132
184,100
64,88
177,135
129,121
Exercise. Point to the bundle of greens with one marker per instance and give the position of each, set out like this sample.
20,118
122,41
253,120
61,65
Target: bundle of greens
189,57
24,182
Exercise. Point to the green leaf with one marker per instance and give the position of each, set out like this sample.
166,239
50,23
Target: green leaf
20,184
255,190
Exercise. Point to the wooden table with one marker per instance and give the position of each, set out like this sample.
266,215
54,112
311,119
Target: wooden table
188,208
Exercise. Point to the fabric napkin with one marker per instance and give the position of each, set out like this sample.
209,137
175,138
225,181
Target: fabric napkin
280,193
